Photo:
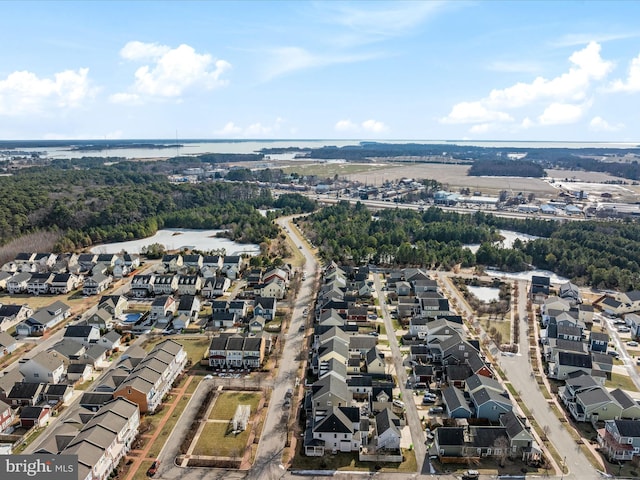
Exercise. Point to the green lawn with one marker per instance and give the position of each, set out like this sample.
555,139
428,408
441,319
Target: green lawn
227,402
349,461
196,347
167,428
621,381
215,441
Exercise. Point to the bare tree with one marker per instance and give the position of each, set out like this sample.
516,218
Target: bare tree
501,450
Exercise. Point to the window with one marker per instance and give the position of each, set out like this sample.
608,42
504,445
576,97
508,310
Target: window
36,375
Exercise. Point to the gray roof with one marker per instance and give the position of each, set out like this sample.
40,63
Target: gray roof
623,398
575,360
387,420
599,337
628,428
595,396
485,395
454,399
476,381
512,423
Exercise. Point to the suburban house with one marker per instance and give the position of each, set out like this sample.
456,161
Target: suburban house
57,392
79,372
96,284
44,319
594,405
232,266
142,285
7,416
236,351
265,307
101,319
490,404
63,283
189,284
151,379
105,439
451,444
215,286
172,263
540,286
338,431
456,404
163,308
25,393
189,305
11,315
192,262
571,293
165,284
39,283
8,344
630,301
275,288
566,363
620,439
110,340
18,283
84,334
114,304
598,342
46,367
37,417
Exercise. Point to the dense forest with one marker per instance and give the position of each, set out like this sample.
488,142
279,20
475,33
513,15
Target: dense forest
601,254
122,202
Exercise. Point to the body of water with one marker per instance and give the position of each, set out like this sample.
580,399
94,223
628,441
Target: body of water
507,242
527,275
197,147
179,238
485,294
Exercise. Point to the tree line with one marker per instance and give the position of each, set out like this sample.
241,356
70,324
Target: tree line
601,254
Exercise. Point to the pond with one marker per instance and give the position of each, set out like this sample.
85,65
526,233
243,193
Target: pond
485,294
507,242
181,238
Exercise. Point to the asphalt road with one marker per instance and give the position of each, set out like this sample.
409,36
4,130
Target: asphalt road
411,413
267,464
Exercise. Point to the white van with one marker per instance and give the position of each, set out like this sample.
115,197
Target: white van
398,403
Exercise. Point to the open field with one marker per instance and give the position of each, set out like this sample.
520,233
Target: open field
621,381
329,170
215,441
227,402
195,347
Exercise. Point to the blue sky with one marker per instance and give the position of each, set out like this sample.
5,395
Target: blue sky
483,70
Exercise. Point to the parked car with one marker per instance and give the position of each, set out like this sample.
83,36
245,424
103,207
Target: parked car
436,410
624,329
153,468
428,400
470,475
398,403
632,343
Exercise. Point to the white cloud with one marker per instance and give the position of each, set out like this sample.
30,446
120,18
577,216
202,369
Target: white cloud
381,19
632,83
560,114
345,126
374,126
125,98
173,71
481,128
599,124
143,51
557,96
475,112
572,85
285,60
24,92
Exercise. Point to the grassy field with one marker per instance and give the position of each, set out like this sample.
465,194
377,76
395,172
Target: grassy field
167,428
326,170
196,347
621,381
227,402
215,441
349,461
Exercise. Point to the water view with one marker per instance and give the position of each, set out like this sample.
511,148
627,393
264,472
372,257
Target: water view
180,238
485,294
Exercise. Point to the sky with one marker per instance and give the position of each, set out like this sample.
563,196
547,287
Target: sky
418,70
